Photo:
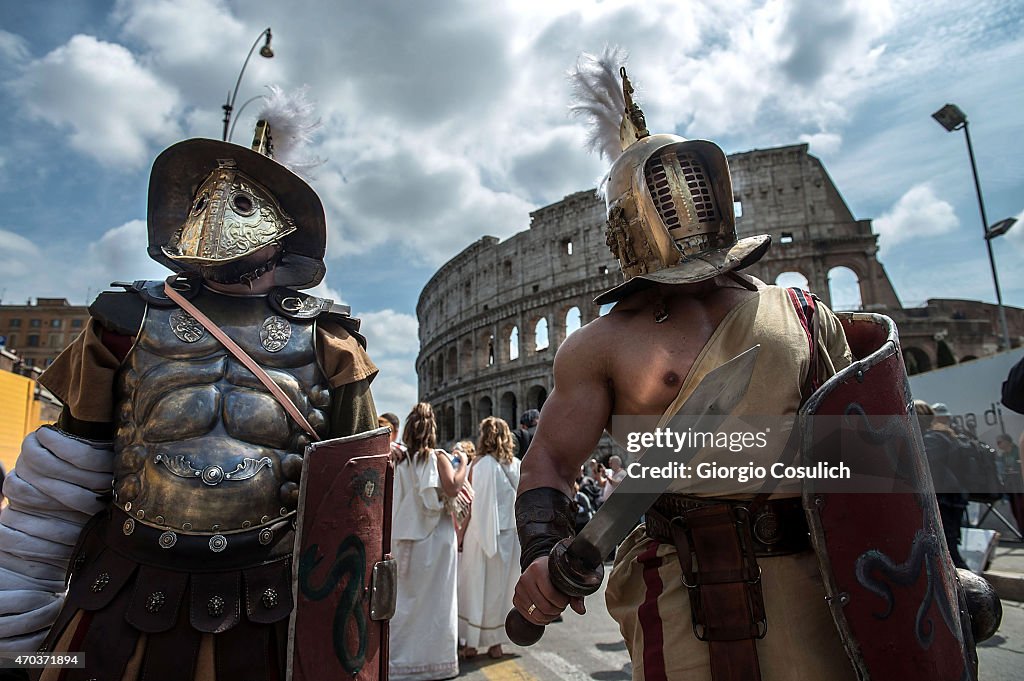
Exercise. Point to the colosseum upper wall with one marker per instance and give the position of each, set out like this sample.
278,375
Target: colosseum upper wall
492,317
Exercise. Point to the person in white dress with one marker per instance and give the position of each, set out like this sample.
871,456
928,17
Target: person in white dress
424,630
490,550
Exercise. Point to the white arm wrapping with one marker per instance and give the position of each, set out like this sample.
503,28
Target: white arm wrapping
52,492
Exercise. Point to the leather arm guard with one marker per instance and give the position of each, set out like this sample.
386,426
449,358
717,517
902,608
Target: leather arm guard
544,516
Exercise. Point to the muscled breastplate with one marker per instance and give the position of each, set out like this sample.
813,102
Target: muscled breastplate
200,440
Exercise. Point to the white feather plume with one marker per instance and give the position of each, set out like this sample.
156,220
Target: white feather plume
597,96
292,124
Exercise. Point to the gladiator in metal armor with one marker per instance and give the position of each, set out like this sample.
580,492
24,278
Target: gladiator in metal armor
185,568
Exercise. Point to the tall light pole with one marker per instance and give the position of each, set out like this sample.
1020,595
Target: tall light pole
952,118
265,52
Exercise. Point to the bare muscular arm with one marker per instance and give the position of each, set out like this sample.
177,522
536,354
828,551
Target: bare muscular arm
575,414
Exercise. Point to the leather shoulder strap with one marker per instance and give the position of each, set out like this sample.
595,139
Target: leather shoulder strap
241,356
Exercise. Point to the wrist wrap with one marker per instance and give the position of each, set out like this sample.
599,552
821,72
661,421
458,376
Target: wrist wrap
543,517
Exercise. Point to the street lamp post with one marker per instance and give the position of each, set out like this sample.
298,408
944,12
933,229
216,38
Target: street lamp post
265,52
952,118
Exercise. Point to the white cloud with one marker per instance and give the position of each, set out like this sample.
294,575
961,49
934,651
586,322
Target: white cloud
182,31
823,143
13,47
917,214
1016,234
112,106
390,333
394,389
19,257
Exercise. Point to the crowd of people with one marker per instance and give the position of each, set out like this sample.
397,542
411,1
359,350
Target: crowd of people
458,561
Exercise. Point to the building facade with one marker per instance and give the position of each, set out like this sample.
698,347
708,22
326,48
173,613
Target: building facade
492,317
38,332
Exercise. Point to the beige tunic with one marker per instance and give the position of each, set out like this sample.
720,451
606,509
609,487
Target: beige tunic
645,592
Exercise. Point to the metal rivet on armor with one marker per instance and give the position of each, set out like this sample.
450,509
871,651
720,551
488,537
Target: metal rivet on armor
215,606
155,601
264,519
844,598
213,475
266,536
860,376
128,527
218,543
101,582
186,526
140,514
159,520
167,540
284,511
128,506
215,527
269,598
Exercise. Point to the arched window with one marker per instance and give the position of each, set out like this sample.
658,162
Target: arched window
573,320
484,408
540,333
792,280
844,289
509,408
513,344
466,421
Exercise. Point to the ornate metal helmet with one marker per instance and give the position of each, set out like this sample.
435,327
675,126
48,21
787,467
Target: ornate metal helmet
669,199
212,203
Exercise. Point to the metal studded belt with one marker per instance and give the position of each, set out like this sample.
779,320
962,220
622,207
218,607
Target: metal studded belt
196,552
778,526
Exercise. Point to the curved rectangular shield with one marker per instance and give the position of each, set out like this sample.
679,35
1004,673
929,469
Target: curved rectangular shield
889,580
343,581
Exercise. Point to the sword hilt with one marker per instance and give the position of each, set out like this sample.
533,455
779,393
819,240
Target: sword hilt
573,575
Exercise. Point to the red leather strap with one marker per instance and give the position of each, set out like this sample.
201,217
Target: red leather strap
241,356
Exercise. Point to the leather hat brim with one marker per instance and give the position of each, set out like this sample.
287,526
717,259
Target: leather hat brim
743,253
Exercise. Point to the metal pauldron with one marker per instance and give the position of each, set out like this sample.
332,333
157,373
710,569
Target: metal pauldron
543,517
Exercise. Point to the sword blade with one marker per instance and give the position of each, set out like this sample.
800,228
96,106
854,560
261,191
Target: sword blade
716,396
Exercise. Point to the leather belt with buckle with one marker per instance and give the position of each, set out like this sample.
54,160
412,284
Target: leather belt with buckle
778,526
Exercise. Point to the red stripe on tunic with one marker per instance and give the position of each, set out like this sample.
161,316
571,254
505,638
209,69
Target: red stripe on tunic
650,618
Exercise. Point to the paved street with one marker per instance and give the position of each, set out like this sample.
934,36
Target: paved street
581,648
589,648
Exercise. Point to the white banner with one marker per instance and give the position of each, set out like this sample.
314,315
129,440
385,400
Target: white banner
973,392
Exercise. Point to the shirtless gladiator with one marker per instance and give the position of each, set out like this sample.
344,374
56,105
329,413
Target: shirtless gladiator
683,310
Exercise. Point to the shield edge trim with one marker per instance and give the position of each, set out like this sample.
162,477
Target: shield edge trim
833,597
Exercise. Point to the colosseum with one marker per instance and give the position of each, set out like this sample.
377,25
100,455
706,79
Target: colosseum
492,317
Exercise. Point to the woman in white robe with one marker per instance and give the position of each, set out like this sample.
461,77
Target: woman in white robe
490,550
424,630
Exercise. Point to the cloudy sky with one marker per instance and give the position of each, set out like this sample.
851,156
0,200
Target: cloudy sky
447,120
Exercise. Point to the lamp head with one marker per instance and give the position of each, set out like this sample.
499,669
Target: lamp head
266,51
1000,228
950,117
